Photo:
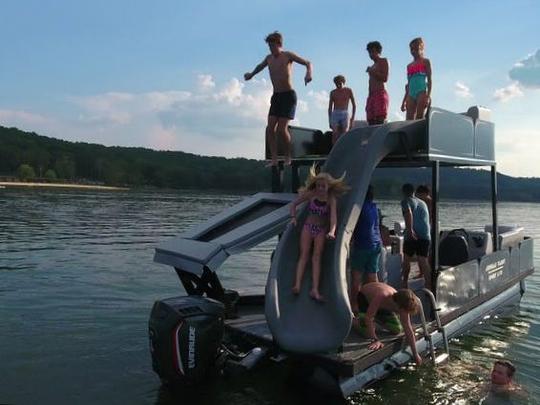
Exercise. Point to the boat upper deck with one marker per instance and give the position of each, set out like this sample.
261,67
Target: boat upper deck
452,139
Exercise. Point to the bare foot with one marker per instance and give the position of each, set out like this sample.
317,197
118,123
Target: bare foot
316,296
287,161
271,164
296,290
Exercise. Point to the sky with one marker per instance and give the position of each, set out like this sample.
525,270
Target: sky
168,75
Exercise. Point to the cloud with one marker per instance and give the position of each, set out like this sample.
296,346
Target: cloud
320,99
527,71
228,111
509,92
516,149
461,90
114,108
23,119
205,82
208,118
302,106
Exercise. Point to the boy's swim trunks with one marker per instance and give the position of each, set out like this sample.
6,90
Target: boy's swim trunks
377,106
283,104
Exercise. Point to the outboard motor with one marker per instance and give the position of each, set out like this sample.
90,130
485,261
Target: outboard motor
454,248
185,337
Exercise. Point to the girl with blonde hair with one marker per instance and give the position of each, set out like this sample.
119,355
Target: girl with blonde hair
321,190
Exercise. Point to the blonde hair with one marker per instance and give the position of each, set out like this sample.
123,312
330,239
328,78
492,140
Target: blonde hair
336,187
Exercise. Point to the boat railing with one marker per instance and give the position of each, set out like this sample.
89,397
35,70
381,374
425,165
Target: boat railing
440,328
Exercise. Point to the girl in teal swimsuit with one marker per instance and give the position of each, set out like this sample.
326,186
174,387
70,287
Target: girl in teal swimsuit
418,88
321,191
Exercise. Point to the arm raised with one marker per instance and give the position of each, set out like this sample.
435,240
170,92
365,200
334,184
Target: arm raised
258,68
295,58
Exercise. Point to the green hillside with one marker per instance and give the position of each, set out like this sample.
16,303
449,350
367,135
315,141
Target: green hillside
79,161
29,156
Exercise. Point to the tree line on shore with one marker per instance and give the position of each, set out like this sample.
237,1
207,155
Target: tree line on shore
27,156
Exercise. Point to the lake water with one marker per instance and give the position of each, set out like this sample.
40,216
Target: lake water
77,283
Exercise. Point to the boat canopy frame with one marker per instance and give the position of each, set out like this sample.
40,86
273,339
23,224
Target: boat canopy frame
447,139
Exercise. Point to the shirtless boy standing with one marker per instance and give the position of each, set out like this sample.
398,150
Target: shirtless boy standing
338,108
377,101
383,301
283,101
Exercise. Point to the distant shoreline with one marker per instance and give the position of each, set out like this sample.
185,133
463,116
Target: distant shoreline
61,185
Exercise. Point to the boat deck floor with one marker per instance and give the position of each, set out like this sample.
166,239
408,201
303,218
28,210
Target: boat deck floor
353,357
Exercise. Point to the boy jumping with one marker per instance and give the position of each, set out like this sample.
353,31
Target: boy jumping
283,101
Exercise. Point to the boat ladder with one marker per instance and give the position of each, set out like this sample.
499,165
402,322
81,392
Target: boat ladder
440,328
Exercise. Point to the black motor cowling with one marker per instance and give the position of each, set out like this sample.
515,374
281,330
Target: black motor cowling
454,248
185,336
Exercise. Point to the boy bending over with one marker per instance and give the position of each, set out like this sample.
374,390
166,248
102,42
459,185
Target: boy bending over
383,301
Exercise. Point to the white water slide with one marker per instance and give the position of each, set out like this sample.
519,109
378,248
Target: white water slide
299,323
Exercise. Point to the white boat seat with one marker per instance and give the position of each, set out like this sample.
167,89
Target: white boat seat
509,235
480,244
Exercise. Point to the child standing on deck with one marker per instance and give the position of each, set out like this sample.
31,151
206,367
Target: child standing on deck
338,108
366,245
283,101
418,89
321,191
377,101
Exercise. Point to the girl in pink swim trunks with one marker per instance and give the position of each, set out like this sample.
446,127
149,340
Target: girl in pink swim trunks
321,191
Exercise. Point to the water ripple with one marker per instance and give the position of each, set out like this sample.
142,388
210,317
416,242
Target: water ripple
78,282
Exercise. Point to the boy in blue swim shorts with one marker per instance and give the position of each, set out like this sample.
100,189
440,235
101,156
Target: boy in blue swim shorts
365,248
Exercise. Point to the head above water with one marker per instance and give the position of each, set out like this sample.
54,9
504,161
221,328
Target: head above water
502,372
407,190
374,48
339,81
406,299
324,182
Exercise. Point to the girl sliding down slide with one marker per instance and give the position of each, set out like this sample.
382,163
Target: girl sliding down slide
321,190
